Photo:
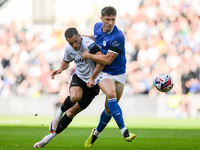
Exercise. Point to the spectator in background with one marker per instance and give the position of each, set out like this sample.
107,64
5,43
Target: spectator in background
26,61
185,104
170,30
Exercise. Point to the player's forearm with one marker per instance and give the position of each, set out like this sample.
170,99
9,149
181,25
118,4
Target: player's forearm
101,59
64,65
97,70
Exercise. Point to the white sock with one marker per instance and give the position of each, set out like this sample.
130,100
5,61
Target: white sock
51,136
96,133
59,113
122,130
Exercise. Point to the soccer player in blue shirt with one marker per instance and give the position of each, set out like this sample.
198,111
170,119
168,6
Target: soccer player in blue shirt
111,81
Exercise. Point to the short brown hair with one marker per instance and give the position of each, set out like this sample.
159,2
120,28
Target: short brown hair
108,11
70,32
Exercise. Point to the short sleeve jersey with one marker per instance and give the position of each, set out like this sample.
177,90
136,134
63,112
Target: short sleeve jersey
83,69
113,41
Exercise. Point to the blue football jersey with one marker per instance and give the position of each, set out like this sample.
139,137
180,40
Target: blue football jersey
114,41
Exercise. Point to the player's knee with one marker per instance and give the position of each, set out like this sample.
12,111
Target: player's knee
75,98
111,94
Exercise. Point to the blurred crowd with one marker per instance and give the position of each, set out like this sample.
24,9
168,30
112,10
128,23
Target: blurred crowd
163,36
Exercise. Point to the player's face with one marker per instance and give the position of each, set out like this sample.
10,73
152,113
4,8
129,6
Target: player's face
75,41
108,23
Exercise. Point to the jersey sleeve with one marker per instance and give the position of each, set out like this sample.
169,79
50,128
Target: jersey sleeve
94,48
117,44
67,57
97,26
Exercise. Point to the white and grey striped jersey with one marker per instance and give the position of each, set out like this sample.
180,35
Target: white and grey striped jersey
83,69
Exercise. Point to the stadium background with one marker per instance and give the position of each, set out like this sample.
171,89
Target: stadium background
162,36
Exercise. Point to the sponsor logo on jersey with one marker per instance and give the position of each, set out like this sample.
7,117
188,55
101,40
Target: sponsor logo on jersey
72,54
115,44
79,61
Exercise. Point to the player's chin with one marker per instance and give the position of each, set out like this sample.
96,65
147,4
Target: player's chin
76,48
108,29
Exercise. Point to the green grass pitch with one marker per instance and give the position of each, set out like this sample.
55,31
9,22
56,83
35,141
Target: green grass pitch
20,133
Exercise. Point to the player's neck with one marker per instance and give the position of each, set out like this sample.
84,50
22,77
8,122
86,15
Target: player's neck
107,31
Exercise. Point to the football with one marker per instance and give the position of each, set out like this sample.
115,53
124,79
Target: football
164,82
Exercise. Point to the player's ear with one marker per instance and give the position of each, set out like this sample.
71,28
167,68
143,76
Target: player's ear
79,35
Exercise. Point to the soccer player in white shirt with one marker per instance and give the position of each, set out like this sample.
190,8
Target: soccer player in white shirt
80,94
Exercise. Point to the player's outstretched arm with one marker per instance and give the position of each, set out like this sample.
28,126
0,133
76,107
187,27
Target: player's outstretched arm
64,65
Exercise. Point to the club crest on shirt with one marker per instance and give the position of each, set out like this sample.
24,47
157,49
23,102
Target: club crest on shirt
104,43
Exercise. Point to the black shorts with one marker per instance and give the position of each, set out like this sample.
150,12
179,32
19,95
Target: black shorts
88,93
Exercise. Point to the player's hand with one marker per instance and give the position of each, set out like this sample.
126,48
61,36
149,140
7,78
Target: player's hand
55,73
85,55
90,82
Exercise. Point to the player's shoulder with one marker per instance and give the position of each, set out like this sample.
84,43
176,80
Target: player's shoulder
68,49
117,35
87,42
68,46
98,25
85,38
118,31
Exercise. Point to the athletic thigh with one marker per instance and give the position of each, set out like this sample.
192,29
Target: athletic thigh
76,88
76,93
119,88
107,85
88,95
81,93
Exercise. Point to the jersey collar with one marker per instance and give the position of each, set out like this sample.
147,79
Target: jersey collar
108,32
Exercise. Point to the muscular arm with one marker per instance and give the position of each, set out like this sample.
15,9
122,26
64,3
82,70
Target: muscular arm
103,59
98,68
64,65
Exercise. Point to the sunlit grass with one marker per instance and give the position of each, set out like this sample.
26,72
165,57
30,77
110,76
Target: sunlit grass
21,132
81,121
